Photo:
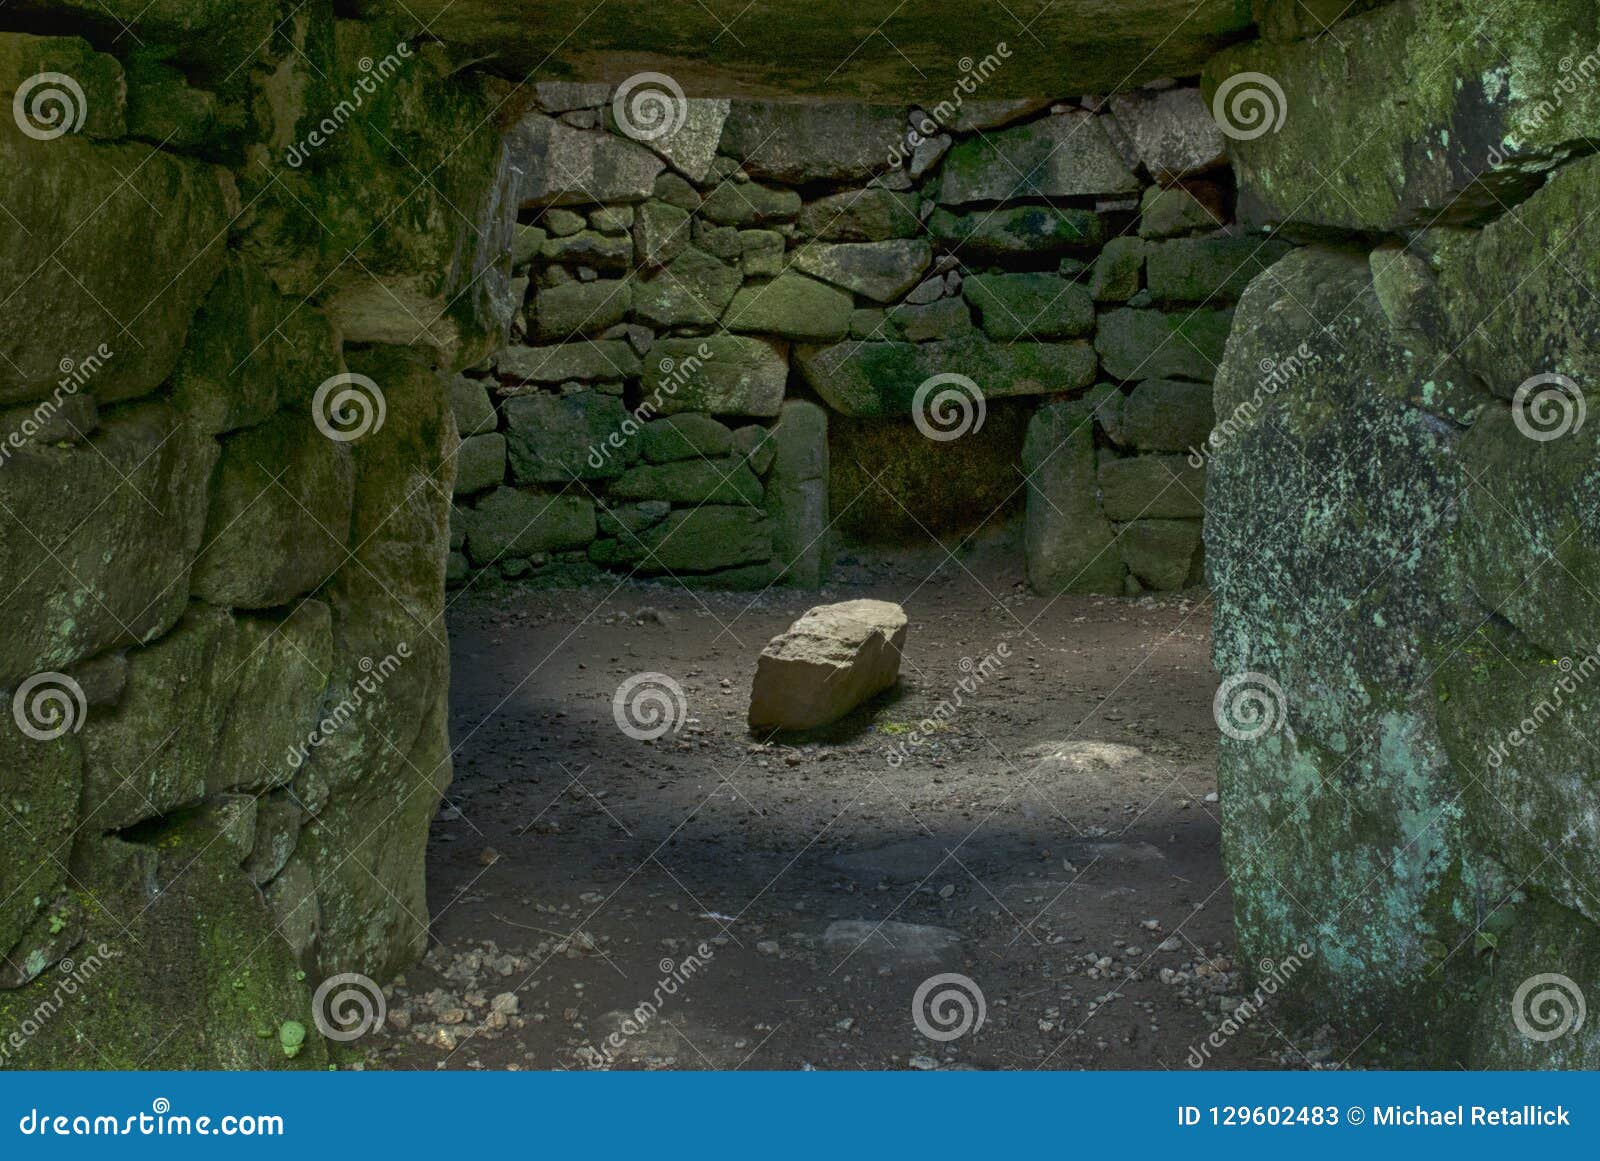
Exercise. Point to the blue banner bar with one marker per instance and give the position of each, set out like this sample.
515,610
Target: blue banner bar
826,1115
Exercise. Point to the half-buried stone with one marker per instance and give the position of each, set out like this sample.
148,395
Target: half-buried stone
827,663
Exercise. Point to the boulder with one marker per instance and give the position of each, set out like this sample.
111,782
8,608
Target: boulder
881,271
574,309
1152,487
797,143
1068,155
1162,415
1430,119
1159,553
824,665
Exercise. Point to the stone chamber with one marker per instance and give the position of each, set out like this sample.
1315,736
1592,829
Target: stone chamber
322,316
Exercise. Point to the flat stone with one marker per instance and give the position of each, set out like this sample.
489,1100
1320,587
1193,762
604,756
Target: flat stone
1146,344
948,318
1034,306
509,522
749,203
993,114
552,439
1209,270
1172,131
561,166
605,359
683,437
719,374
829,661
791,306
693,290
603,252
1164,415
1038,231
860,215
1152,487
1068,155
873,379
690,145
696,481
796,143
575,309
881,271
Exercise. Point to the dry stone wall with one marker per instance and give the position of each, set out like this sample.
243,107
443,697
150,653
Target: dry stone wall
700,296
238,247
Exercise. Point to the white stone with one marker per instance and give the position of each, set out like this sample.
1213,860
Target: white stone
827,663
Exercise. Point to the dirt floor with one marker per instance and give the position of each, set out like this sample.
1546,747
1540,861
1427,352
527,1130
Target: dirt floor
707,900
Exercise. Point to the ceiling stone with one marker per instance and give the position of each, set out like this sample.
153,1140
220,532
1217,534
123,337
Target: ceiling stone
895,50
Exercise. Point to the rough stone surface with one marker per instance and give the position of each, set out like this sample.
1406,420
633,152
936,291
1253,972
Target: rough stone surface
735,375
825,664
1152,487
1159,553
881,378
1164,415
860,215
1069,542
1145,344
551,439
1056,157
797,493
996,235
1172,132
881,271
794,143
562,166
791,306
1038,306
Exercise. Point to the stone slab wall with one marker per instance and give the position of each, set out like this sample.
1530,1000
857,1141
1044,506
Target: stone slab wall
1401,532
692,284
238,248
